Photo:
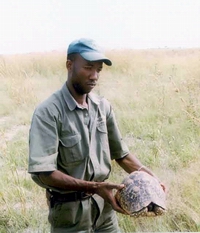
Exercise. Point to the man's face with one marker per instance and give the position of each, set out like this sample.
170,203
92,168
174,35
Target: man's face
83,74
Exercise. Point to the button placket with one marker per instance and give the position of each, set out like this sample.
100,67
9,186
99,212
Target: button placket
86,117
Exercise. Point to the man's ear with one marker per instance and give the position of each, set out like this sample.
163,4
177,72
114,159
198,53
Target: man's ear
69,65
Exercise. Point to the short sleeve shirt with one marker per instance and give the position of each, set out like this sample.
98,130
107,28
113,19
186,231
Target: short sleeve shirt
78,141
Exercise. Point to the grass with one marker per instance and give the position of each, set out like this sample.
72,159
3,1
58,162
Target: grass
155,95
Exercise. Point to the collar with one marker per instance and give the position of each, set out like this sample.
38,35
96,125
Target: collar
71,102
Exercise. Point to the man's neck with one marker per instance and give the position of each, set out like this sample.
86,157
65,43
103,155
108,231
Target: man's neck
80,99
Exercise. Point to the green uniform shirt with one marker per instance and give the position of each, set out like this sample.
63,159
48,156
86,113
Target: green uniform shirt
77,141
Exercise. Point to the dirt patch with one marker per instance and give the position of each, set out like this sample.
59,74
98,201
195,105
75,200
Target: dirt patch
11,133
4,119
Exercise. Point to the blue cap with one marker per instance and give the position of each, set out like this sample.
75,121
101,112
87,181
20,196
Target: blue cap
89,50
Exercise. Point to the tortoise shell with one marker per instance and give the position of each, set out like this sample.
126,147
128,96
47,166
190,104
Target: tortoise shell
142,195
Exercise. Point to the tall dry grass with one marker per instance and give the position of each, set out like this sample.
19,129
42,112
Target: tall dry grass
155,95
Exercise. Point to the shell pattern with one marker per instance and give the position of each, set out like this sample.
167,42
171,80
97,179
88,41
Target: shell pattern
142,195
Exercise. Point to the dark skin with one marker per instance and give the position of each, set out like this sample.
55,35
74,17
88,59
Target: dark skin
82,78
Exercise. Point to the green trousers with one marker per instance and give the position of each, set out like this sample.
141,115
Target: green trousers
86,216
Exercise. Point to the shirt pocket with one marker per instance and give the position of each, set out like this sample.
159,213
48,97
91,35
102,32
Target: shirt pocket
101,127
70,149
102,135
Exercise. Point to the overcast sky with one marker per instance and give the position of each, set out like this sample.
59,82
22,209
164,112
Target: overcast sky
44,25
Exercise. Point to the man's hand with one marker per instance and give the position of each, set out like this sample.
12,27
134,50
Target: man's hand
105,190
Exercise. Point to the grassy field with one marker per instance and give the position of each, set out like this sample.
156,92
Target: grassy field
155,95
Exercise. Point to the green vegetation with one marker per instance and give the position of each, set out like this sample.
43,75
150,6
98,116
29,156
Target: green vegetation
155,95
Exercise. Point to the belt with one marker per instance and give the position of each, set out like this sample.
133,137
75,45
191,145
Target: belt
67,197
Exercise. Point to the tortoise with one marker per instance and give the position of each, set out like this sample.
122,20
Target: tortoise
142,195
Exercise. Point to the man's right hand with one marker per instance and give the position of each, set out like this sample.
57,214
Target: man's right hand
105,190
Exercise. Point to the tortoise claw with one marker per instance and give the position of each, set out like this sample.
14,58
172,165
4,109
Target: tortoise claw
158,210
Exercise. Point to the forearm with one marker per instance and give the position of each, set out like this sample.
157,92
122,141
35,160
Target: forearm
59,180
64,182
131,163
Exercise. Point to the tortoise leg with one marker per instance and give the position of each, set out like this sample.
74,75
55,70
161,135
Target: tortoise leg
141,213
158,210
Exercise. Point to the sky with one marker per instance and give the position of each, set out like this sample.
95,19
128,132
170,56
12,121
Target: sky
45,25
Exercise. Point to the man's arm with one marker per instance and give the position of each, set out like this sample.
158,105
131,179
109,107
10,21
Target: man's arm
62,181
65,182
131,163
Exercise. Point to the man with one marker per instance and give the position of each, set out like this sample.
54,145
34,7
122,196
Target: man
73,137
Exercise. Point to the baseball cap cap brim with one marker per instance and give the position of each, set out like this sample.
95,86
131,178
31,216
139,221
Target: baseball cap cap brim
95,56
89,50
